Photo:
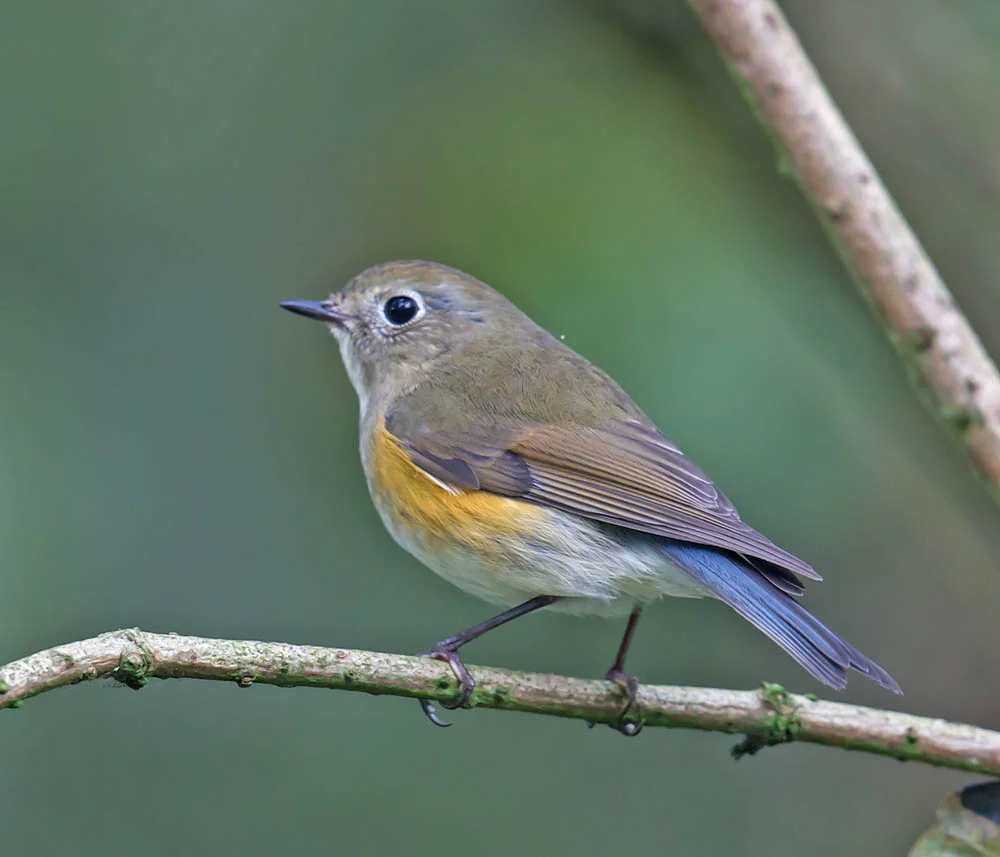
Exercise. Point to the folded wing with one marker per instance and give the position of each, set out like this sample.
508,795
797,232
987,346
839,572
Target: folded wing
626,474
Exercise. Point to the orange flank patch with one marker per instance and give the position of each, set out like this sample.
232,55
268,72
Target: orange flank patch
441,516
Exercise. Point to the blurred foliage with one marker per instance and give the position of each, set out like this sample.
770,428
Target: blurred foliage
177,453
968,825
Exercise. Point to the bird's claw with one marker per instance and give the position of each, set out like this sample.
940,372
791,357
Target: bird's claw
466,684
629,722
431,713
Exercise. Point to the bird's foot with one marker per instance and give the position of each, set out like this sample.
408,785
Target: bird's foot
466,683
629,721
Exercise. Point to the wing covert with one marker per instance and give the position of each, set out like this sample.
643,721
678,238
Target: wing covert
626,474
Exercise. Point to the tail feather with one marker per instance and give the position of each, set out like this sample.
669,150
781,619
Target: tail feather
778,615
784,579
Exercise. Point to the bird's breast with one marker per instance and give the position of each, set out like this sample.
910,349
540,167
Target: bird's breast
417,507
506,550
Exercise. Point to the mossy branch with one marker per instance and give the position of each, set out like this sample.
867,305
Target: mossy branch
888,264
767,716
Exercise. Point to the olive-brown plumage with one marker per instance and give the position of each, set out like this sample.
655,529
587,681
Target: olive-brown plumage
518,470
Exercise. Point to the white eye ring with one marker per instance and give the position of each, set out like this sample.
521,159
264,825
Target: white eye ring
401,309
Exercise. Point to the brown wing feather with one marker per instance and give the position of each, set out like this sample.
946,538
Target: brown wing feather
626,474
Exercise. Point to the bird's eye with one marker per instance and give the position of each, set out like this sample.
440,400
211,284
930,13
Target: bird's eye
400,310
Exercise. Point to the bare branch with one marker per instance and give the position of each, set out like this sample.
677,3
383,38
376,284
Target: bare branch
766,716
886,260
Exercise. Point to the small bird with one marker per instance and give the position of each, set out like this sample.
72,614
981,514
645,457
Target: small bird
523,474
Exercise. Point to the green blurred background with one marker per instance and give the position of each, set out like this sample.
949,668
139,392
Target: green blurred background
179,454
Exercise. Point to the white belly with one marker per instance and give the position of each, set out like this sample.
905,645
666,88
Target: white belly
600,571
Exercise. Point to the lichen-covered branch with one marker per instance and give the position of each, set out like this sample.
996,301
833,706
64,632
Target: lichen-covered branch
885,258
766,716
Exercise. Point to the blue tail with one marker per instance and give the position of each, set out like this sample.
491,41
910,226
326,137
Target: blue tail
733,580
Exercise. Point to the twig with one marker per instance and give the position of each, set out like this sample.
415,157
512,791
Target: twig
767,716
883,255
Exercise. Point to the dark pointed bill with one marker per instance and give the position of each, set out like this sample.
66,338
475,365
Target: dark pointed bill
314,309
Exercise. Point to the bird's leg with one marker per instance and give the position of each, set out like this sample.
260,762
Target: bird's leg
447,651
628,683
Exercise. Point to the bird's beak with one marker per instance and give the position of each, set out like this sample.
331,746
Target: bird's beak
320,310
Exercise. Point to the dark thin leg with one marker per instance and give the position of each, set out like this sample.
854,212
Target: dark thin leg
618,667
628,683
447,651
